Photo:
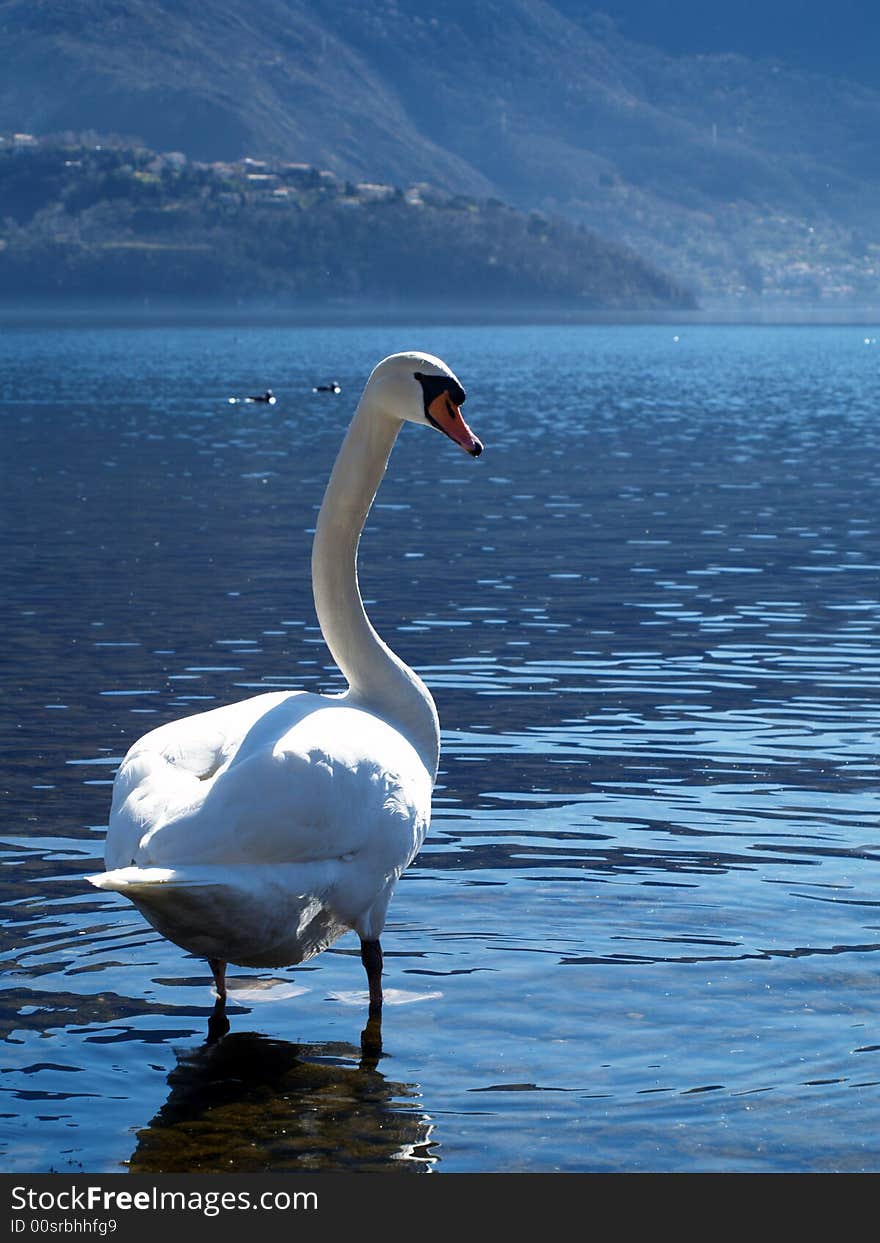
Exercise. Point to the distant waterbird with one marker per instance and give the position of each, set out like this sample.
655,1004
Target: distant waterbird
268,399
332,387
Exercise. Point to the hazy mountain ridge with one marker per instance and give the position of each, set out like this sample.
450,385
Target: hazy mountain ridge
88,219
734,174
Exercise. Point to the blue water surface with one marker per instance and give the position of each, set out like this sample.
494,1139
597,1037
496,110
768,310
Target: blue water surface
641,933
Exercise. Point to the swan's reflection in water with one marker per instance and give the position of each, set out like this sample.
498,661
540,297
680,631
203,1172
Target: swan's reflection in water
251,1104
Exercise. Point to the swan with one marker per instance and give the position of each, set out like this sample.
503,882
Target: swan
259,832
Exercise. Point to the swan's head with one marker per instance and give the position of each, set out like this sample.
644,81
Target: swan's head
418,388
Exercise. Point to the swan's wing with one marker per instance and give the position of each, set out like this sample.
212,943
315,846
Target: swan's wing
303,784
168,771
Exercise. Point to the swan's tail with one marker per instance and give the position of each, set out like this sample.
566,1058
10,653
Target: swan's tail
132,881
251,916
188,906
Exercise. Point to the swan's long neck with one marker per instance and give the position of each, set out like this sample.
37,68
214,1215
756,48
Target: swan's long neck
379,680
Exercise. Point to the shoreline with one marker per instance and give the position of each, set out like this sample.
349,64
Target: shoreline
152,313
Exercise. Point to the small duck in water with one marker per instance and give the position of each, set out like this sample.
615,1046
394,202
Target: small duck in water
268,398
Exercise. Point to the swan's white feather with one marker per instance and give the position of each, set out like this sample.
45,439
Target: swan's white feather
260,831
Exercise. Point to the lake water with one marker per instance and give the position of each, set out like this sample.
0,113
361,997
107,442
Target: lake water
641,933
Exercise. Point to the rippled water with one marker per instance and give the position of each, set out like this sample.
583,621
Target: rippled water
641,934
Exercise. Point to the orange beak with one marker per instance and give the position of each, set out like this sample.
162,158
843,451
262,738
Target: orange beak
446,415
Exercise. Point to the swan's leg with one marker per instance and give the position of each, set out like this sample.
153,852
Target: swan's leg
371,957
371,1041
218,970
218,1023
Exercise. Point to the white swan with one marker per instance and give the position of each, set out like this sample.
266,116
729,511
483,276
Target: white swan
259,832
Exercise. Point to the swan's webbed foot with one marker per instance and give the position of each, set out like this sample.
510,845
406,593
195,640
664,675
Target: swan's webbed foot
371,957
218,971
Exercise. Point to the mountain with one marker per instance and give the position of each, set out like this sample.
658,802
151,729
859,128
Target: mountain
93,221
838,40
745,178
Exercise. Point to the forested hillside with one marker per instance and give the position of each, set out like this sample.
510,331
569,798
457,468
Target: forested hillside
88,219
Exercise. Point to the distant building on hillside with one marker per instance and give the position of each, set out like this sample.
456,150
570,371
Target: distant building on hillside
374,192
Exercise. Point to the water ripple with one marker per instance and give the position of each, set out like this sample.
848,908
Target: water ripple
647,905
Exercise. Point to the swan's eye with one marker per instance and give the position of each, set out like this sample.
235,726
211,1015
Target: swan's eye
434,385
